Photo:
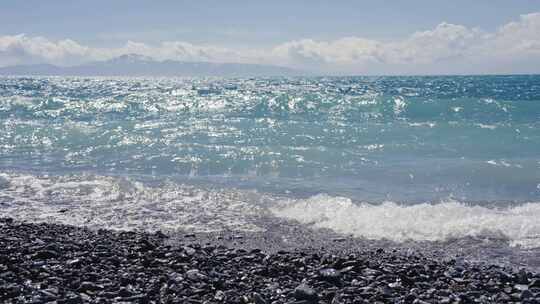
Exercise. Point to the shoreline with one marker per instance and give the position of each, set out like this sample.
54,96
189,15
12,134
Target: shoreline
51,262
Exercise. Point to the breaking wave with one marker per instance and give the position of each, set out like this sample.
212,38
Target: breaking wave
127,204
421,222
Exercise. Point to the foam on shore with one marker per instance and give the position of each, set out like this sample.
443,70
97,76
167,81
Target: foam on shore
126,204
431,222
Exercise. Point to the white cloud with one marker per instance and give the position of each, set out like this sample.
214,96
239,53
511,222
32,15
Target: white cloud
344,51
520,37
445,42
445,48
21,48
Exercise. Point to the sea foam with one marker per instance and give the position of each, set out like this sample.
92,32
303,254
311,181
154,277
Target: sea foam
126,204
420,222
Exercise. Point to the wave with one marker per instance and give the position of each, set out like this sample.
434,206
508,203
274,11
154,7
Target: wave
124,204
420,222
484,100
127,204
399,138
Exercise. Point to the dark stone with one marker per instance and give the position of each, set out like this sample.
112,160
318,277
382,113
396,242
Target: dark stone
195,275
503,297
219,296
109,295
10,290
77,265
124,292
74,262
522,277
330,275
140,298
70,298
258,299
160,234
12,239
89,286
409,299
535,283
189,251
46,254
146,245
525,294
304,292
336,299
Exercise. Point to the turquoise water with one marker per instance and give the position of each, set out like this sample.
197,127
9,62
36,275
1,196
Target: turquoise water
449,146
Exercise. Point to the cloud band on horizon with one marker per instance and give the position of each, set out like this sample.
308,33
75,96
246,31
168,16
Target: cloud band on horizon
448,48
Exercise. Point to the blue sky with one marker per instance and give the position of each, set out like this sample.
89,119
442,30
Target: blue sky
349,37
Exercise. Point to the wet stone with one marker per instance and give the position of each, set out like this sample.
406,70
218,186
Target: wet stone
189,251
124,292
195,275
219,296
525,295
74,262
535,283
522,277
258,299
45,254
304,292
77,265
89,286
330,275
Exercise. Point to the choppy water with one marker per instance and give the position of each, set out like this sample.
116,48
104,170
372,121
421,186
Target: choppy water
403,158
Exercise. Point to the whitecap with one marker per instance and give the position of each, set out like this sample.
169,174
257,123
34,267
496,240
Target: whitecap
420,222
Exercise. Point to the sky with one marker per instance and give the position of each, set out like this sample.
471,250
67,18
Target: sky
326,37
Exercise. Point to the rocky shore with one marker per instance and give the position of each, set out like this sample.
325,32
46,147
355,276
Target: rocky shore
42,263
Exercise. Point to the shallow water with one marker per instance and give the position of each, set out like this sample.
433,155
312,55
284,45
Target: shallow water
398,158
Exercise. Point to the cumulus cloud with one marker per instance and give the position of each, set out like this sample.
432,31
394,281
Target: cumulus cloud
445,48
345,50
520,37
443,42
21,48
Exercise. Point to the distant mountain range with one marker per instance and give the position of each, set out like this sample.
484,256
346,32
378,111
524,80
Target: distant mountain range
137,65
